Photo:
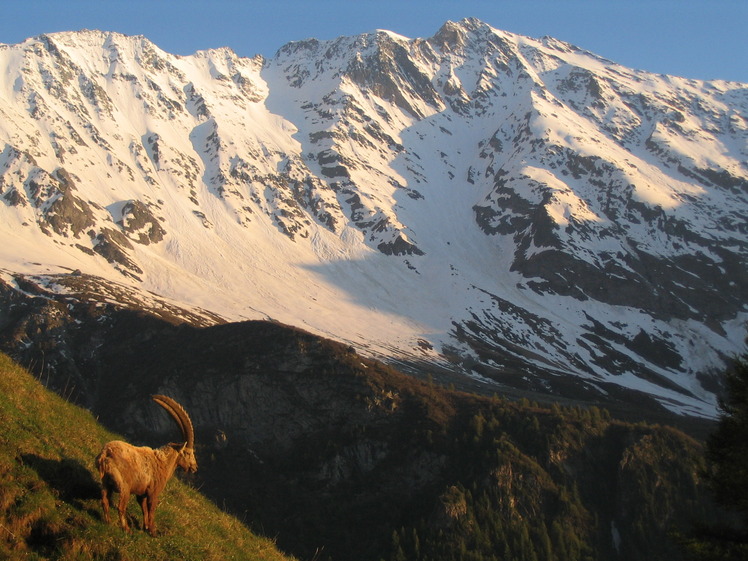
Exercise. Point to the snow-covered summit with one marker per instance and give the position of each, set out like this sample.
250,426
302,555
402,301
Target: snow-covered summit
517,209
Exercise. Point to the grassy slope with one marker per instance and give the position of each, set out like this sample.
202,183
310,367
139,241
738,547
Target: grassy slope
49,495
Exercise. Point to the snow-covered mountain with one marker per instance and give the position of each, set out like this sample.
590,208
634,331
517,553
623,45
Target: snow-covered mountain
517,209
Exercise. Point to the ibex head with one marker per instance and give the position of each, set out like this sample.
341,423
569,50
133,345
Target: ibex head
186,459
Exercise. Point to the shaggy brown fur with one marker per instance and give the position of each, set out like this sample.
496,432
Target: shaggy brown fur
143,471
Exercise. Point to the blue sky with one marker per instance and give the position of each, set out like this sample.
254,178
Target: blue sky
704,39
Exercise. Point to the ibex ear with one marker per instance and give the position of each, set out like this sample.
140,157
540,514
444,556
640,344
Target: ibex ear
183,447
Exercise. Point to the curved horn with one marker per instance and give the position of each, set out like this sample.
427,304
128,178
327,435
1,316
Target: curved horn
179,415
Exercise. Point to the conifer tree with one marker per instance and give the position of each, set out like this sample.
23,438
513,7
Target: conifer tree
727,474
727,447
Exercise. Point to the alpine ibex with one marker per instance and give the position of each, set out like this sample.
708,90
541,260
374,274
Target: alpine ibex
143,471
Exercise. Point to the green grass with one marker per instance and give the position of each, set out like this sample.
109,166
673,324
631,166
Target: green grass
49,494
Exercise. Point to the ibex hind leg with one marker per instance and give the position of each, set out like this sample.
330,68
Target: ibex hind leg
124,497
106,496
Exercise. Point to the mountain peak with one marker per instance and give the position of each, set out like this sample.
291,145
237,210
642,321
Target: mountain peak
87,39
450,36
515,210
386,33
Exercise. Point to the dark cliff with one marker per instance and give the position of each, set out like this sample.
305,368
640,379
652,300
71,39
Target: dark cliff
344,456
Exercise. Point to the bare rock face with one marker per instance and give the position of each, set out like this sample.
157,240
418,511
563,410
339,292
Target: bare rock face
112,245
140,224
63,212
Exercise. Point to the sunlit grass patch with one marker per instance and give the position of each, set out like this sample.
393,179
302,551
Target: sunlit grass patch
50,500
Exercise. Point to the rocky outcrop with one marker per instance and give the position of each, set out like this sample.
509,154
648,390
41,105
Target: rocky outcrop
140,224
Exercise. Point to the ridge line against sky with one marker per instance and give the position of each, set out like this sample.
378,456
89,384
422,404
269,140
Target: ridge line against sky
701,39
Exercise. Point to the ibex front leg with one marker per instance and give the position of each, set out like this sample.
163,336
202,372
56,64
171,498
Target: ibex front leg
149,524
152,503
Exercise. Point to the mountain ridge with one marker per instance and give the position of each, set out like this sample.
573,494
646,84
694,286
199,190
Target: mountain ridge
515,209
333,453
